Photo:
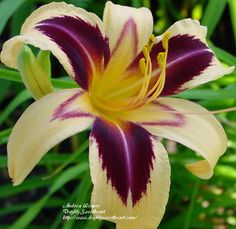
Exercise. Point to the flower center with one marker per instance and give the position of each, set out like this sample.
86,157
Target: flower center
133,91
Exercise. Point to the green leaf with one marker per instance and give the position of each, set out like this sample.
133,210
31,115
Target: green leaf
30,214
50,158
3,161
82,197
8,190
232,8
14,208
55,158
57,220
226,171
93,224
136,3
63,84
191,205
4,134
224,56
70,174
10,75
5,85
212,14
7,8
208,94
224,201
19,17
19,99
70,159
15,77
19,207
81,3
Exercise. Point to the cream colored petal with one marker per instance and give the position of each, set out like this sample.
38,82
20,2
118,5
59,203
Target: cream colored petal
115,17
148,212
192,28
122,56
44,124
194,127
128,30
30,35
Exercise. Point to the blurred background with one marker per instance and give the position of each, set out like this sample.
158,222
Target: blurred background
62,176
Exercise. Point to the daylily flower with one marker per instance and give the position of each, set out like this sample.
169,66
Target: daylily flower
124,73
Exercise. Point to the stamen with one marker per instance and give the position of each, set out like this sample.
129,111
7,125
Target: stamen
156,90
142,66
145,95
145,66
151,42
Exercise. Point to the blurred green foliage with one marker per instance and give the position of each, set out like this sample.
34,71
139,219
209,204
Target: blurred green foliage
62,176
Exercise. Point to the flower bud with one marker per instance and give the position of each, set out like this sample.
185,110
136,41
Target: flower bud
35,72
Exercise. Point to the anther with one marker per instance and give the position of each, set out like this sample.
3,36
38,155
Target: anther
142,66
165,40
151,42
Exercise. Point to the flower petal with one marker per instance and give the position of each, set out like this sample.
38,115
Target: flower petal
70,34
190,61
131,175
128,30
117,18
44,124
189,124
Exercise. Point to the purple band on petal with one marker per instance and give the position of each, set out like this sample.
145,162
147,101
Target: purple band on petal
129,27
64,110
83,44
176,120
187,58
127,157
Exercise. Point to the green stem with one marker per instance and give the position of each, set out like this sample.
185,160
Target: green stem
191,205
